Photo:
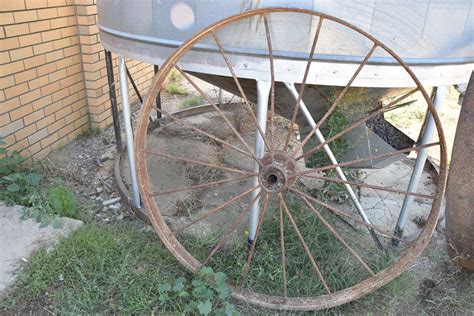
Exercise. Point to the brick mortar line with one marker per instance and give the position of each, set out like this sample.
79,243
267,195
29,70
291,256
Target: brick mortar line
46,127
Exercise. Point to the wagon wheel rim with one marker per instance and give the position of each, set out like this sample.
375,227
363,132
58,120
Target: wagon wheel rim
285,302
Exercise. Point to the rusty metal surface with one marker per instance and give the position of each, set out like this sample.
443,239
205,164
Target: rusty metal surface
122,189
263,299
460,190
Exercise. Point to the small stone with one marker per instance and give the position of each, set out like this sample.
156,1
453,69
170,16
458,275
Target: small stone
107,156
99,190
115,206
111,201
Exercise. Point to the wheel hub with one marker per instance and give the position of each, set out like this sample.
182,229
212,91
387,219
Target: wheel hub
276,176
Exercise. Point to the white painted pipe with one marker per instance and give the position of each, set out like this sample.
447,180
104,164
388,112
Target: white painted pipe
128,130
263,94
420,163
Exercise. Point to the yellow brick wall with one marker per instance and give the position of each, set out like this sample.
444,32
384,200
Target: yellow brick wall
53,79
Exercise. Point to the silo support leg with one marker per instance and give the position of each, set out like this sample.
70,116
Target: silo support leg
128,129
158,97
263,94
340,172
419,165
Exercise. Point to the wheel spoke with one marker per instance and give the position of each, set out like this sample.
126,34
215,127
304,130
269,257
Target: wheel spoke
177,119
375,157
219,110
272,94
231,229
199,186
335,103
246,269
214,210
371,186
283,254
337,211
392,105
241,90
203,163
335,233
305,246
303,84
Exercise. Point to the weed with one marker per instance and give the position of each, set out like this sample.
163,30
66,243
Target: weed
173,84
176,89
23,185
332,191
205,294
62,202
17,184
192,101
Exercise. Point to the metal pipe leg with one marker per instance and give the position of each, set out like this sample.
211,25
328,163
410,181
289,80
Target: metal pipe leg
321,139
128,129
158,97
419,165
263,94
113,99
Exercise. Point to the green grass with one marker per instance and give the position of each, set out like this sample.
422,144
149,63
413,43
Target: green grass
124,269
99,269
341,270
191,101
176,89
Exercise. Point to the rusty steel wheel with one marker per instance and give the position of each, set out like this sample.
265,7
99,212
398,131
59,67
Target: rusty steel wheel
267,217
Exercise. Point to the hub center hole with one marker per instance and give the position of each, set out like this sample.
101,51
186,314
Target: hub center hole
272,179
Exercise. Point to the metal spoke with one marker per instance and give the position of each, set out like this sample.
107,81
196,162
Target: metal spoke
335,233
241,90
219,110
177,119
334,105
283,254
337,211
214,210
351,162
254,242
203,163
199,186
305,246
391,106
303,84
272,94
372,186
231,229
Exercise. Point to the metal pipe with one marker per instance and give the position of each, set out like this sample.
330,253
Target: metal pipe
158,97
327,149
113,99
419,165
128,129
135,88
263,93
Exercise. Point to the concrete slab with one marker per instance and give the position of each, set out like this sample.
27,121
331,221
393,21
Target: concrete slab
20,238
